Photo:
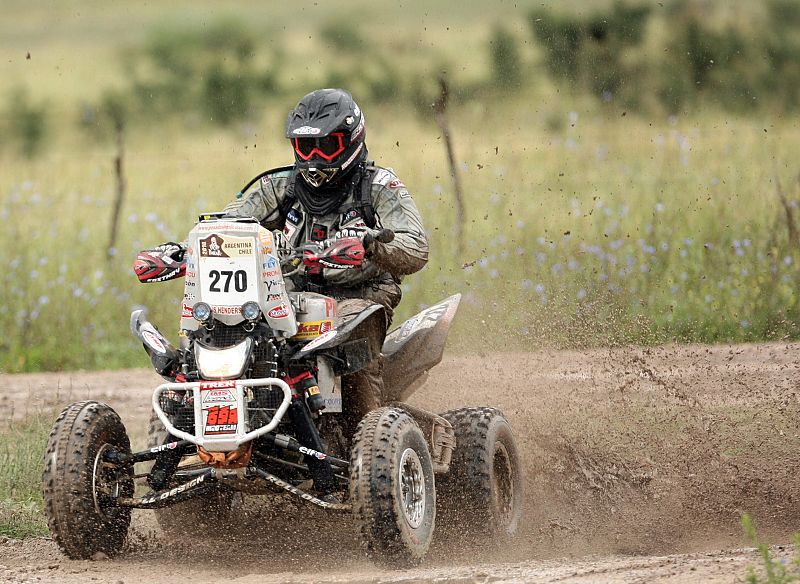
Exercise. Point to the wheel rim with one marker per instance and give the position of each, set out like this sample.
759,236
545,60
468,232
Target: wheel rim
105,486
503,485
412,488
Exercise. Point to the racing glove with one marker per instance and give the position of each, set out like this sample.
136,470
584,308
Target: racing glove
358,232
365,234
162,263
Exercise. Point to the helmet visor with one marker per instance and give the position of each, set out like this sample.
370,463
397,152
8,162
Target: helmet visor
327,147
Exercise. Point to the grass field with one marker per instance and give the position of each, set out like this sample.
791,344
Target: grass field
586,224
612,230
22,445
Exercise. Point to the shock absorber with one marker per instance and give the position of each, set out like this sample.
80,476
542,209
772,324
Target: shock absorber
305,385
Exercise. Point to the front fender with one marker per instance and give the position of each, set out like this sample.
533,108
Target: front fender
163,355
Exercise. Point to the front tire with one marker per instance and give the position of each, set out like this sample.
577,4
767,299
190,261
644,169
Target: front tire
79,488
480,498
392,488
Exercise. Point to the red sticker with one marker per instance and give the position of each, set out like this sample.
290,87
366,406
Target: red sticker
281,311
153,341
221,420
206,385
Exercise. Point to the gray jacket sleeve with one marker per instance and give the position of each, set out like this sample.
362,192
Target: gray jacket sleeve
395,209
408,253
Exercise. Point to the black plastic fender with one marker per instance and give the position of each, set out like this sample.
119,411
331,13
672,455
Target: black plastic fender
163,355
415,347
349,346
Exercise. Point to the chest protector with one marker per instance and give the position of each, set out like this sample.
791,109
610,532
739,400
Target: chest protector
362,200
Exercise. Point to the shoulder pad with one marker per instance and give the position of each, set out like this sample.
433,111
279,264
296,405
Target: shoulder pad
279,172
383,176
386,177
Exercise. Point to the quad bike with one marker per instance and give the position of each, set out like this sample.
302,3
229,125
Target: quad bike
253,404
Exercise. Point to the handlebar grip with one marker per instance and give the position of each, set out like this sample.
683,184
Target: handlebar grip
383,236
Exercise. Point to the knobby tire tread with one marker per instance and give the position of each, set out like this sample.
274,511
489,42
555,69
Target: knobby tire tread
375,444
67,483
465,492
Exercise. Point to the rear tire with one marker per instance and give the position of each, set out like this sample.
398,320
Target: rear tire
208,514
392,488
480,498
80,489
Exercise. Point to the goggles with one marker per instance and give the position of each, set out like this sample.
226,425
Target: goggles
327,147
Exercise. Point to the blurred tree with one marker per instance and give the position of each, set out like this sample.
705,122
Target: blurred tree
721,65
562,39
589,52
782,80
738,64
340,35
27,125
211,70
506,60
225,95
115,106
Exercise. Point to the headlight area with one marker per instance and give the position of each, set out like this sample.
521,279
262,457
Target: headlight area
251,311
227,363
201,312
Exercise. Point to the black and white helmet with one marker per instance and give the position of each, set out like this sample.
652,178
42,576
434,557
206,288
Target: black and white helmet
327,132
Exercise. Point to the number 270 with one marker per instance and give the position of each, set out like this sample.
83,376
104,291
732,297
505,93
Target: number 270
239,278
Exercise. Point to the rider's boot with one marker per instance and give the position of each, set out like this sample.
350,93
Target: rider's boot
363,392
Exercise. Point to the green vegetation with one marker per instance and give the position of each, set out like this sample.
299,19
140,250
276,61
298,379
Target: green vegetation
775,572
506,60
21,448
599,213
611,231
678,57
27,123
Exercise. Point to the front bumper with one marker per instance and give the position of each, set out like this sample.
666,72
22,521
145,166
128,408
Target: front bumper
222,437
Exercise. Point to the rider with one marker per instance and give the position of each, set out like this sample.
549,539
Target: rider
334,191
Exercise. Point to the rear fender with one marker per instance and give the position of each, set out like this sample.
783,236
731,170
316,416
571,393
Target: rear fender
415,347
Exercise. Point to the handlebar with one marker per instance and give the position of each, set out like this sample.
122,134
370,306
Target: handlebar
160,264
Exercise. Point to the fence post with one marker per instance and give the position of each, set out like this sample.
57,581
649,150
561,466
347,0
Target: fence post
439,112
120,191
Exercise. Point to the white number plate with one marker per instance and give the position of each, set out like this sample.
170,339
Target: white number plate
228,270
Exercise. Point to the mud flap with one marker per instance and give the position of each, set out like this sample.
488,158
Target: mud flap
438,432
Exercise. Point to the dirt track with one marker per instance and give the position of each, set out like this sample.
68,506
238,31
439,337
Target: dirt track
632,456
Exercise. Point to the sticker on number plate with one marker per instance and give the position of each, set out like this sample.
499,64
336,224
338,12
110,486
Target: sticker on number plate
221,419
214,396
220,413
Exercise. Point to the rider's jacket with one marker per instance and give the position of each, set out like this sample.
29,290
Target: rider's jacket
379,278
